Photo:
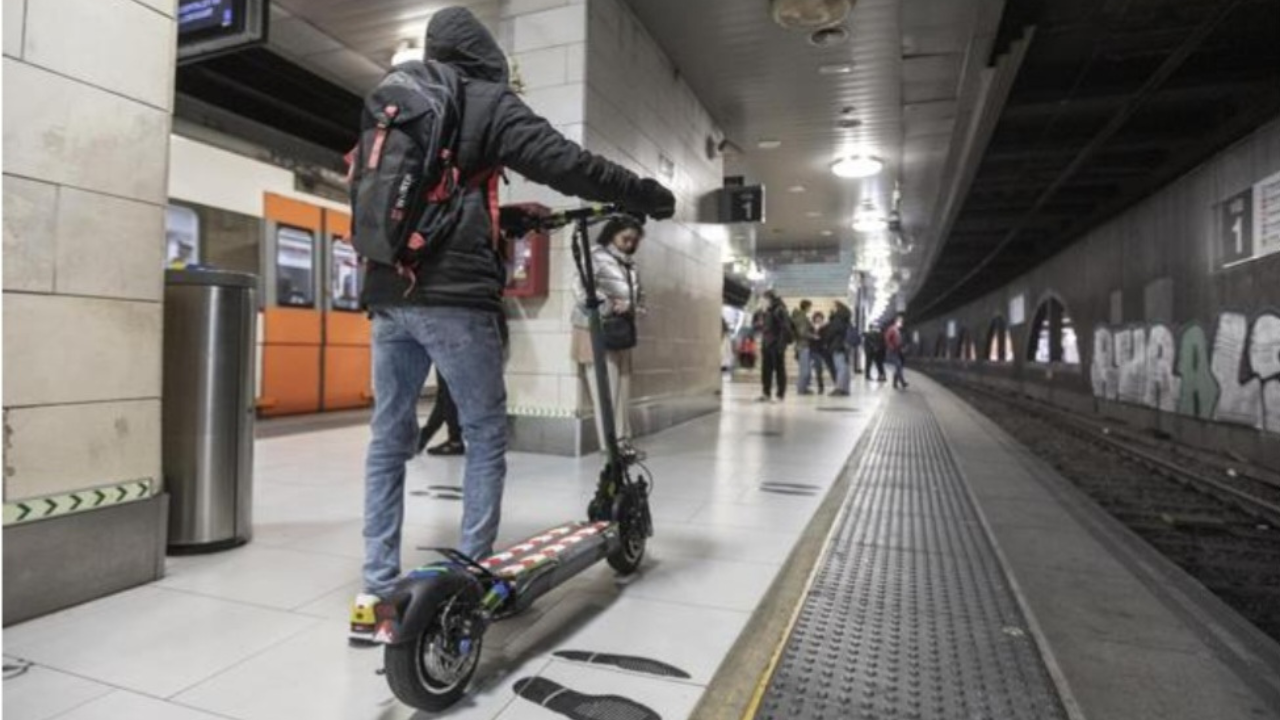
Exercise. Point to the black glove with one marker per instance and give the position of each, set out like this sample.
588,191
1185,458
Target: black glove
656,201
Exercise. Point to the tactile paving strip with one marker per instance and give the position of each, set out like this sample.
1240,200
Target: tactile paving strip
910,616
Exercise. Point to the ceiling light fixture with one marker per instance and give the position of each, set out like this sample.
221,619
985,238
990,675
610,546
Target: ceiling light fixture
835,69
857,166
796,189
796,14
813,214
828,233
769,144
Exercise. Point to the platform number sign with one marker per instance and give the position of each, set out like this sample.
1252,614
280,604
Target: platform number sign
1235,229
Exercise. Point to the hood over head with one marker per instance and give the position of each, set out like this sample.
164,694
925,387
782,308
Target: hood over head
456,37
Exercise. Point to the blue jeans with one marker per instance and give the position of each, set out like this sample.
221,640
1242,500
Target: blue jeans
466,348
898,362
842,371
806,368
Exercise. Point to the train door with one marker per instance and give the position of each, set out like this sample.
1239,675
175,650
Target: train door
292,336
346,364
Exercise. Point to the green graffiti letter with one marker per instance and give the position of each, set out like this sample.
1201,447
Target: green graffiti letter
1199,394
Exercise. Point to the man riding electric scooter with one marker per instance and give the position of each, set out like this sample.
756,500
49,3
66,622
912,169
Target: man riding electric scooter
447,311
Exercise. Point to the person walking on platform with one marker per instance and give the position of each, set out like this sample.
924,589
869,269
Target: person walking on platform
835,339
618,286
447,310
896,346
820,354
805,336
873,345
776,333
443,413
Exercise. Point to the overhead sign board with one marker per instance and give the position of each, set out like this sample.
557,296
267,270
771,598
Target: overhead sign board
212,27
743,204
1249,223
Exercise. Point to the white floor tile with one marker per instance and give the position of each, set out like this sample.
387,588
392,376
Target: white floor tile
721,542
151,640
124,705
702,582
314,675
779,518
261,575
41,693
659,631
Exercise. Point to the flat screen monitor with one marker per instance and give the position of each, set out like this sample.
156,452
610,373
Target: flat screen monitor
212,27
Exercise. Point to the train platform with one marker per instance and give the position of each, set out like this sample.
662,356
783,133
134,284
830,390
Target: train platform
887,555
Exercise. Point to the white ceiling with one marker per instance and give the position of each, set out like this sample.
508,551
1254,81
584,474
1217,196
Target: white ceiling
759,81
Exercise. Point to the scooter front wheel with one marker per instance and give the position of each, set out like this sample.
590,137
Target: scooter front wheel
629,512
431,671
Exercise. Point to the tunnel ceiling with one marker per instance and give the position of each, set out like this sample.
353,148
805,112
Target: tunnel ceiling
1114,99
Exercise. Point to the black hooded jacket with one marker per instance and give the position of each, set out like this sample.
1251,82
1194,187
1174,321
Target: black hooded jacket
497,130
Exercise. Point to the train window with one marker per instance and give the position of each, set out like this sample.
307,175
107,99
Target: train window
345,280
1053,336
181,236
295,267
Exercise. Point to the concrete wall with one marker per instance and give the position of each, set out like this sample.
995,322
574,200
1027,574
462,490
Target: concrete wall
640,113
593,71
1169,338
88,96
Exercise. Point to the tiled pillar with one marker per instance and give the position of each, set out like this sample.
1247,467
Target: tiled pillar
590,68
88,96
545,41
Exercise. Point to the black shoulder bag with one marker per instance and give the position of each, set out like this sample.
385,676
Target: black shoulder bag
619,329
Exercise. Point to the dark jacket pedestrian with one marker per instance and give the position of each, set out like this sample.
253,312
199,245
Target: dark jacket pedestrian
450,315
497,130
873,344
776,333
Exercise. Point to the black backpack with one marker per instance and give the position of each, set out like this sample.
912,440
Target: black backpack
406,193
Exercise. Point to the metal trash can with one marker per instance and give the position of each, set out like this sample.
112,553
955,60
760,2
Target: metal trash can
210,320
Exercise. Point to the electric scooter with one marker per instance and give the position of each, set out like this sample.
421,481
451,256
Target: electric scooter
434,623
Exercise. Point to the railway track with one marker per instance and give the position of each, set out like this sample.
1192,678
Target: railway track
1250,490
1216,518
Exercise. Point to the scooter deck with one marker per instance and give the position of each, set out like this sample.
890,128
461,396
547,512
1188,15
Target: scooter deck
557,543
541,563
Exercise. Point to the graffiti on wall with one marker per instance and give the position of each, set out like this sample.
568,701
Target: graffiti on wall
1235,379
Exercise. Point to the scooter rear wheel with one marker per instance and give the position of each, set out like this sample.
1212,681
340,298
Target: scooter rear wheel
432,671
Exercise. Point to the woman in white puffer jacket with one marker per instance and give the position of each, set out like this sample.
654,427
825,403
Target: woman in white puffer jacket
618,287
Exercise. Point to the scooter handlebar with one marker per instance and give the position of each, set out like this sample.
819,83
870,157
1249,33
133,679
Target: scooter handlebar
519,223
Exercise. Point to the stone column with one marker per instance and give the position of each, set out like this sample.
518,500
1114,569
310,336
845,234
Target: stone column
88,97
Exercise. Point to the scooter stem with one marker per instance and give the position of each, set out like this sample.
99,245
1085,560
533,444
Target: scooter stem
582,255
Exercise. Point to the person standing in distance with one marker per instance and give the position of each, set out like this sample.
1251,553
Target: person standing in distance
894,345
449,313
776,333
